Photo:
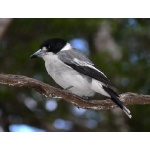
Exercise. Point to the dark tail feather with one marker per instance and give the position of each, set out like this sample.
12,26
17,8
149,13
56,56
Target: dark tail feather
114,97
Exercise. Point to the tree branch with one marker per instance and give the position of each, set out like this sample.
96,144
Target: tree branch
49,91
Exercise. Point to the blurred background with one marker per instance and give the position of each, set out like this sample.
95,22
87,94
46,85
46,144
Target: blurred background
119,47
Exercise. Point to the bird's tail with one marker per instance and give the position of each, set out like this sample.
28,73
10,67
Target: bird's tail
114,96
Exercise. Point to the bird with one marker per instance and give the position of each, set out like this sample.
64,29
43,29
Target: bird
73,71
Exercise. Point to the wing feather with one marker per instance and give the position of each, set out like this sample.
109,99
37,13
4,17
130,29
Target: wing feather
79,62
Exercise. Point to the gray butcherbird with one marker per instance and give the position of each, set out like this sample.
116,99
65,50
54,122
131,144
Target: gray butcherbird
73,71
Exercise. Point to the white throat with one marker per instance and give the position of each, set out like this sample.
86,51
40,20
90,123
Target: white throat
66,47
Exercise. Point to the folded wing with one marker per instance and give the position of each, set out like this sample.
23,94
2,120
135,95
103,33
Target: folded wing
83,65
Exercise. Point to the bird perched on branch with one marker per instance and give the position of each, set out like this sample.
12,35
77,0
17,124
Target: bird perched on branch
73,71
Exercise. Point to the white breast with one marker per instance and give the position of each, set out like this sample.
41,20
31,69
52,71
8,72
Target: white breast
66,77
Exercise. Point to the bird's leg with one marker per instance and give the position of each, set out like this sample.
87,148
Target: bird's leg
68,88
85,97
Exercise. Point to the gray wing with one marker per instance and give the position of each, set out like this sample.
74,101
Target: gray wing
69,55
79,62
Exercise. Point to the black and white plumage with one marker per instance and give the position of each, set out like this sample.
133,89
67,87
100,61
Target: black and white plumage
73,71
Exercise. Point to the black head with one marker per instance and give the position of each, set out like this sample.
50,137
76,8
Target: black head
53,45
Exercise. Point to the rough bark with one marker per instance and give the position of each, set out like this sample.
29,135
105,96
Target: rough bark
49,91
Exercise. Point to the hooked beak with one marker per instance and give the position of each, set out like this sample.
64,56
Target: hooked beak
39,53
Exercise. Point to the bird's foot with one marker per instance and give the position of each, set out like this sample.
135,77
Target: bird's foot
85,97
68,88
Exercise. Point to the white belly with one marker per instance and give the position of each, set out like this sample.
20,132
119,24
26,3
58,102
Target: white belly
66,77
